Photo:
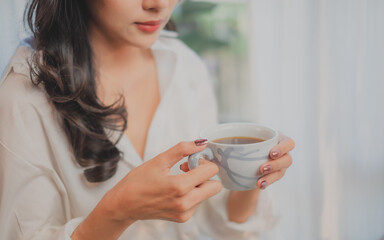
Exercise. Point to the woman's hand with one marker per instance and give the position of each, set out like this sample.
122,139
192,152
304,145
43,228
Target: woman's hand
274,169
280,160
151,192
241,204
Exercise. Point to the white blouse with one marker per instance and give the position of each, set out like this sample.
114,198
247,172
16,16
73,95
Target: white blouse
43,193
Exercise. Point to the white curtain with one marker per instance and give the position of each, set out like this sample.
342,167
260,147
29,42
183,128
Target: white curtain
318,75
11,29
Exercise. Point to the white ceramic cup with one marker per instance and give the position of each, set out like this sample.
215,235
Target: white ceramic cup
238,163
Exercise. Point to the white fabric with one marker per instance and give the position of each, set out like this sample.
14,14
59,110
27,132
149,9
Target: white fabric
43,194
318,75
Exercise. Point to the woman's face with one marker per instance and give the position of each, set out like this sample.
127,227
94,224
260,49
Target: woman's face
133,22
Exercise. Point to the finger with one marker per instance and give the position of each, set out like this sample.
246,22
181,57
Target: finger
275,165
197,176
284,146
185,168
268,179
185,216
181,150
203,191
178,214
186,205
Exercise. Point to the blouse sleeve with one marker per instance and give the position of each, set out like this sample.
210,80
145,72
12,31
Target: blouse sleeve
33,200
212,215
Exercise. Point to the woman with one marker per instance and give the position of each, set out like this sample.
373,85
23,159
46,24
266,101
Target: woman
90,109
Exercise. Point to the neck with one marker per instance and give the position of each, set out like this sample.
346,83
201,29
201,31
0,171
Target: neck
119,65
112,54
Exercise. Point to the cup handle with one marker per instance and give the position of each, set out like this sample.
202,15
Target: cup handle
193,160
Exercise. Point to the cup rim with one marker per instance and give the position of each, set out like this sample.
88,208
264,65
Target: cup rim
276,134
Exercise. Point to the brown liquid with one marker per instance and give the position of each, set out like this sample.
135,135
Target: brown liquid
238,140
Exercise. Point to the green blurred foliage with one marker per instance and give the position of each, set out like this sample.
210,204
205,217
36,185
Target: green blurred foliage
206,26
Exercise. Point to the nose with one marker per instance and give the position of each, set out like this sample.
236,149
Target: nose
155,5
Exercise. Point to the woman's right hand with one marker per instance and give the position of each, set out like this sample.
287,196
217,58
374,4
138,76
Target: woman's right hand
150,191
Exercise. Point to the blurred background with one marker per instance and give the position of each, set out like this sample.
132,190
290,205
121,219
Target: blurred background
314,69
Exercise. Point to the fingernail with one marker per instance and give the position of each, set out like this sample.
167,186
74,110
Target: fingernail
263,185
201,142
267,169
275,154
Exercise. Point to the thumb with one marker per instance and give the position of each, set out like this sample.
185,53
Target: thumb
181,150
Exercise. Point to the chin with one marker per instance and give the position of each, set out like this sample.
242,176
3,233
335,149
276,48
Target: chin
144,41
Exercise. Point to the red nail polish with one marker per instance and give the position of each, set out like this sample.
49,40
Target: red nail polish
263,185
201,142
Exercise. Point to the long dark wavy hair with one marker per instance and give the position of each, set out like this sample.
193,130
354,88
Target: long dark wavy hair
63,64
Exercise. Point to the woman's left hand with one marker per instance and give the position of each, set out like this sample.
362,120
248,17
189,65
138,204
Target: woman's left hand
280,160
241,204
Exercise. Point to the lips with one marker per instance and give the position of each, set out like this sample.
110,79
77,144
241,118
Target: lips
149,26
